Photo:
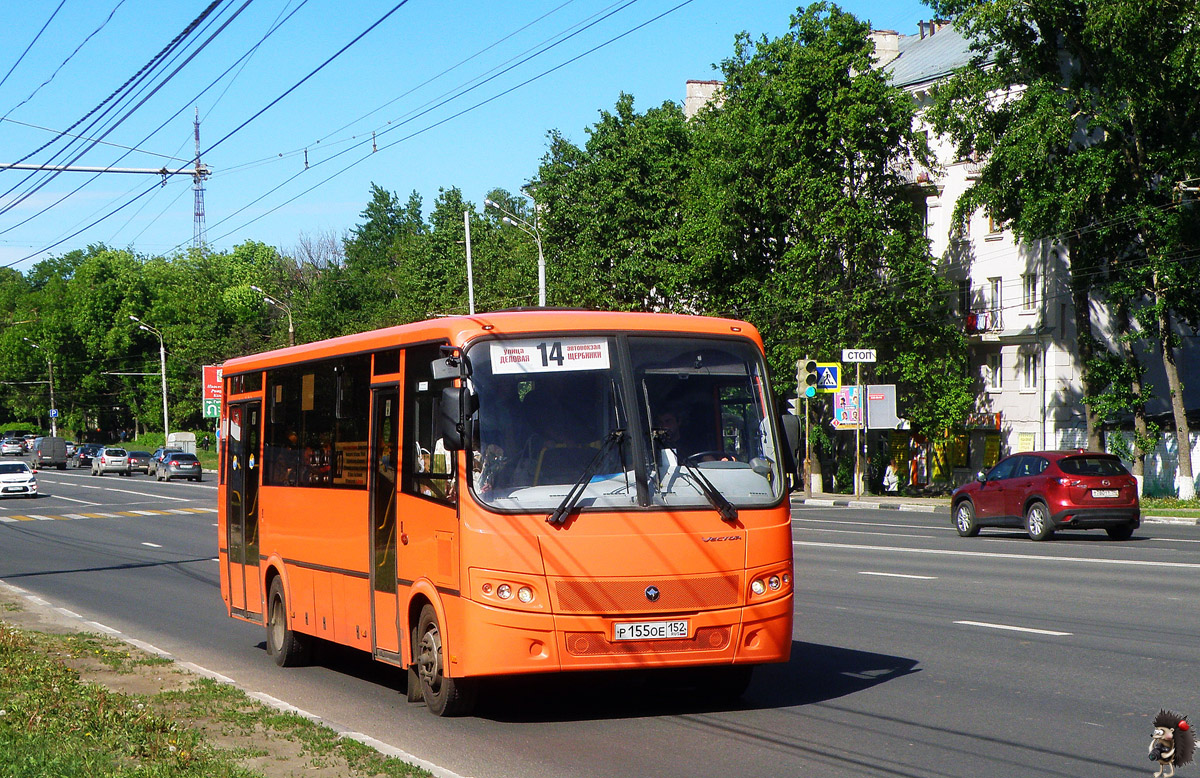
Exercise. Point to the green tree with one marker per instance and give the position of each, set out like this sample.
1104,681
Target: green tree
799,218
1098,127
612,211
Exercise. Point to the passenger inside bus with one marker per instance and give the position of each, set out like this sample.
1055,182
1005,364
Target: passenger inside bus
553,434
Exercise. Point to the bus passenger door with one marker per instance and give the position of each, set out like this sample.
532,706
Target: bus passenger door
385,437
242,467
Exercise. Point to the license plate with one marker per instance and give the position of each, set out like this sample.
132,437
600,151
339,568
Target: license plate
1106,492
651,630
16,488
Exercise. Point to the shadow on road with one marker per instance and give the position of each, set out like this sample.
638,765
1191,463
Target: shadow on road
815,673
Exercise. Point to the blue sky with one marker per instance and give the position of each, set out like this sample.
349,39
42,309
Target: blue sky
394,81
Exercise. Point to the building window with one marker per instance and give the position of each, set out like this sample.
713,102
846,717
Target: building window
964,296
996,303
1029,373
1029,292
993,374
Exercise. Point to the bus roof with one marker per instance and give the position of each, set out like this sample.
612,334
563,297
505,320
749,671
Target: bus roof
459,330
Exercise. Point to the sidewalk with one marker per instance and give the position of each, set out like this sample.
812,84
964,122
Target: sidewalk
939,505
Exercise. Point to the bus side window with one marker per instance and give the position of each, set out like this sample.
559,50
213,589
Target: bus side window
429,469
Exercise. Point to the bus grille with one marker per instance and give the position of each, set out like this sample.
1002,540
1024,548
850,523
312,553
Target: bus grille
596,644
629,596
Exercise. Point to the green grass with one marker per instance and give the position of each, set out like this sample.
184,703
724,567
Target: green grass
1170,506
55,723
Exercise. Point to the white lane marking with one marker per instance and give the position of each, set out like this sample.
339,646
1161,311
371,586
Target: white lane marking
41,518
144,494
871,524
72,499
151,545
995,555
1011,628
899,575
864,532
7,518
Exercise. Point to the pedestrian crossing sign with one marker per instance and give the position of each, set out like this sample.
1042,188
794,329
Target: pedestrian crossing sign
829,377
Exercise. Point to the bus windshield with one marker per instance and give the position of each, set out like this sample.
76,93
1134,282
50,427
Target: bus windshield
691,413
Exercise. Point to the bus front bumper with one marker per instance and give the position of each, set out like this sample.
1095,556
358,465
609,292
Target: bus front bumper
496,641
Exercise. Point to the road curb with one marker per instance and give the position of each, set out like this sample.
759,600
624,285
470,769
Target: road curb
824,502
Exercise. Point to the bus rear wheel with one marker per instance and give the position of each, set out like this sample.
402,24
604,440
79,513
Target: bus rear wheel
444,696
287,648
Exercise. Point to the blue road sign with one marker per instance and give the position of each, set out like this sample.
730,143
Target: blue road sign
829,377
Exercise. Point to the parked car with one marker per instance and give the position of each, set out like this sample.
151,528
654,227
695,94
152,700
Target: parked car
17,478
177,464
111,460
139,460
1045,491
11,446
157,457
71,448
83,457
49,452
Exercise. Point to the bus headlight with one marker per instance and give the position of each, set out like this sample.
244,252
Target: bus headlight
770,583
508,590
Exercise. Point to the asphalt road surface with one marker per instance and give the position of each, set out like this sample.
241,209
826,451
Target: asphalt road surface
917,653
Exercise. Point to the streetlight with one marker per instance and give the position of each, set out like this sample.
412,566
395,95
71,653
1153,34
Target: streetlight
50,367
269,300
162,362
533,231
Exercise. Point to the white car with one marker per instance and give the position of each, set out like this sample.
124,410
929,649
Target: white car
17,478
11,446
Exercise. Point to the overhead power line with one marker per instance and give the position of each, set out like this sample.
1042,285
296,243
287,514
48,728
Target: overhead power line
35,40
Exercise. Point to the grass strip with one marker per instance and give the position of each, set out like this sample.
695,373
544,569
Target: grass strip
55,722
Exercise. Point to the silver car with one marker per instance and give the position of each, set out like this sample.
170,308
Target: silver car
111,460
179,465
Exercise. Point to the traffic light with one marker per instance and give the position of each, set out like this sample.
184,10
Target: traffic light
808,377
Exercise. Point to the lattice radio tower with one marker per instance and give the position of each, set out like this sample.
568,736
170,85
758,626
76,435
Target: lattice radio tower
198,185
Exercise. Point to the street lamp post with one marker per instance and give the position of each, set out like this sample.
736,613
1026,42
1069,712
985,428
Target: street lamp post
50,368
162,362
269,300
533,231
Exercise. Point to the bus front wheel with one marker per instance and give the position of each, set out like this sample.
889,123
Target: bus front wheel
443,695
287,648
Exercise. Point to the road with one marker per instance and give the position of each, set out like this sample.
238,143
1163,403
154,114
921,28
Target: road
917,653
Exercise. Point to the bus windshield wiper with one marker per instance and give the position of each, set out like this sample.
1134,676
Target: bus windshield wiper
711,493
568,504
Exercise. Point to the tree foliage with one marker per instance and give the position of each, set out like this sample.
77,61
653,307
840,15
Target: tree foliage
800,219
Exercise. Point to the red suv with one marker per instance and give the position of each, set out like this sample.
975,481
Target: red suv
1044,491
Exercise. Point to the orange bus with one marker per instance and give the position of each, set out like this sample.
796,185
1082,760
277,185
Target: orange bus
515,492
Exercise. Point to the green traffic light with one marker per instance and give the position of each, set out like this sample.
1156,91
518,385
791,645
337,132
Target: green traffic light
810,391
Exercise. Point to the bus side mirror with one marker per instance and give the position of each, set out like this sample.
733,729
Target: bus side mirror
455,410
792,437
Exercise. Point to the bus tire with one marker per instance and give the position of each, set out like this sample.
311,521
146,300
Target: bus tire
444,696
286,647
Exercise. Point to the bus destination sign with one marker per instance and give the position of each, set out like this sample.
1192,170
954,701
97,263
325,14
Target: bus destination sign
561,355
